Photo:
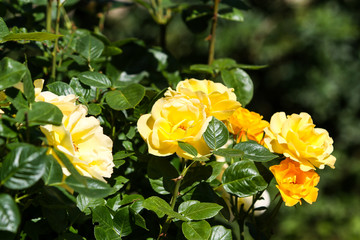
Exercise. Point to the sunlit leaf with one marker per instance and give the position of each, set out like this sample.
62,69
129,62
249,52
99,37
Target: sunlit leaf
196,230
255,152
216,134
241,82
23,166
11,72
243,179
9,214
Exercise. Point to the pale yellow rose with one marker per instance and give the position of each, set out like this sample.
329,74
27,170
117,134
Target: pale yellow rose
296,137
174,119
82,140
295,184
66,104
220,101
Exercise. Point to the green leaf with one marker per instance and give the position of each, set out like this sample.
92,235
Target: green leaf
101,214
5,131
94,79
9,213
184,205
188,148
11,72
220,233
23,166
241,82
60,88
105,234
126,97
223,63
84,203
139,220
255,152
53,173
229,153
89,47
34,36
232,14
122,221
243,179
94,109
202,68
131,198
28,87
251,67
216,134
89,187
201,210
111,51
4,30
42,113
161,208
216,169
196,230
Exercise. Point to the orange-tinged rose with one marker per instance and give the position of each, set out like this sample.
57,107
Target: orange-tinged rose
220,101
295,184
296,137
247,125
174,119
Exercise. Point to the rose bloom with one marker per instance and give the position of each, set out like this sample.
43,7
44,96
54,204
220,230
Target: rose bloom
294,184
66,104
82,140
296,137
247,125
220,101
174,119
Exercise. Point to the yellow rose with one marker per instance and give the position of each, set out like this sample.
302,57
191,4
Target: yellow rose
82,140
294,184
220,101
174,119
296,137
66,104
247,125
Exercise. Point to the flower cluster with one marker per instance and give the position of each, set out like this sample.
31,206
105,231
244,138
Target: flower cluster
305,148
79,137
183,115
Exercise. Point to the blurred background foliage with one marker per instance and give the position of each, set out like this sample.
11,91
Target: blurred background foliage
312,49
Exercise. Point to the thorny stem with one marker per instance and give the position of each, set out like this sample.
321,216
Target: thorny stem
175,195
53,70
213,32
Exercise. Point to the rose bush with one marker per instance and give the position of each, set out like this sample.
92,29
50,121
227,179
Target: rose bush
98,147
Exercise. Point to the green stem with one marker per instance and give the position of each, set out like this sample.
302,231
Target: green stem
175,195
48,15
213,32
53,69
